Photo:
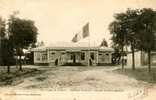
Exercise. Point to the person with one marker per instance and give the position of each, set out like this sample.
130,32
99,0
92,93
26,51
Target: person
90,62
56,62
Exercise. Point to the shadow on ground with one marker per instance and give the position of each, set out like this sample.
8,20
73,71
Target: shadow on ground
16,77
139,74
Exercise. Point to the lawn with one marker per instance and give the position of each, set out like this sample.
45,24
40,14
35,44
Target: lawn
140,74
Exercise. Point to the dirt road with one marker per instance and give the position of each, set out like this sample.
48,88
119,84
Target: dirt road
98,81
81,79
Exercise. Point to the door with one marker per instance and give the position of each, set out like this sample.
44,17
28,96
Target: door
74,58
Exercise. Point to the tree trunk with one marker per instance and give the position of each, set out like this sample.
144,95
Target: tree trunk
20,63
16,62
8,71
133,59
149,60
122,59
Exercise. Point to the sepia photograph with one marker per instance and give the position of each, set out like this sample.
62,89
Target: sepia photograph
77,49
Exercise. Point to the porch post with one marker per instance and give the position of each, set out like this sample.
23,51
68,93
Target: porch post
97,57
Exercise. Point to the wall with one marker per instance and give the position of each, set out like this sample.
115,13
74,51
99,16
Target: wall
40,57
137,57
141,58
57,54
104,57
153,58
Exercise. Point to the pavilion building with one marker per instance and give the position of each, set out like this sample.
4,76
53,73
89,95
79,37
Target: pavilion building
65,53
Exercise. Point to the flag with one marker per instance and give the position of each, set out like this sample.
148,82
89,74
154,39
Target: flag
76,38
85,30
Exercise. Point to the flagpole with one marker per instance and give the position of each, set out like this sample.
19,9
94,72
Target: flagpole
85,33
89,51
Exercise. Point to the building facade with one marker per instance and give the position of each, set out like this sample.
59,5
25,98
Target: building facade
72,53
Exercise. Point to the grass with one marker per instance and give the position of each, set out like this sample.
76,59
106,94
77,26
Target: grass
16,75
139,74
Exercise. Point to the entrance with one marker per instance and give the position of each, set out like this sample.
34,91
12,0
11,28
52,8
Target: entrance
74,58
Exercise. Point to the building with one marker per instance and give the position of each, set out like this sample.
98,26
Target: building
71,53
141,58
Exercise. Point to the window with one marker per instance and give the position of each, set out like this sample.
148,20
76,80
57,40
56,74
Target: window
63,53
83,56
92,56
52,56
154,58
71,57
100,54
38,56
103,58
44,56
107,54
53,53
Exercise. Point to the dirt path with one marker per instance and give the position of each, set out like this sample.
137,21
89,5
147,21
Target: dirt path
98,81
81,79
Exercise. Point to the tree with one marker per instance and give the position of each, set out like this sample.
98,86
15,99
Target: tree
6,50
147,31
23,33
39,44
127,22
119,34
2,36
132,20
6,47
2,28
104,43
7,53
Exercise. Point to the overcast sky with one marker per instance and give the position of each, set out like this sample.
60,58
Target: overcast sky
59,20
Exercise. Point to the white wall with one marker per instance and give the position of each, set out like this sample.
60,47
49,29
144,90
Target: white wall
137,59
105,57
153,58
38,57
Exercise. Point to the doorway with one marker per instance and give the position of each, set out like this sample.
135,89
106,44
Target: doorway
74,58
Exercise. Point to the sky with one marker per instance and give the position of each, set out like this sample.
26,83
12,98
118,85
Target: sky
60,20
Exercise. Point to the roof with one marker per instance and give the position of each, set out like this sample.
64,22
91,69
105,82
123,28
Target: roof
73,46
42,48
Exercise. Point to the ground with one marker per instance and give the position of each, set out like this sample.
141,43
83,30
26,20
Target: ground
78,78
84,78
